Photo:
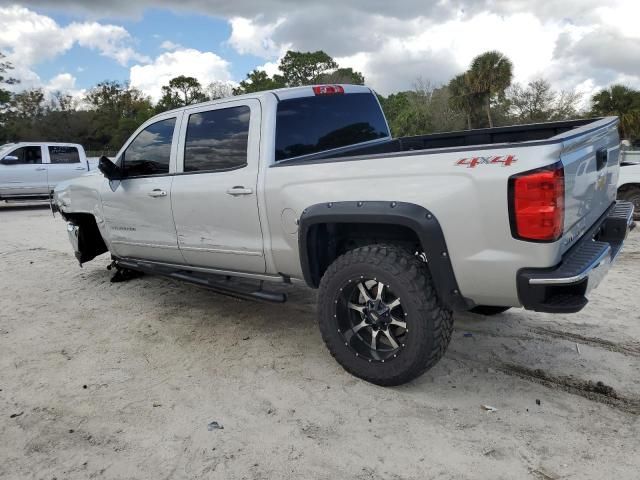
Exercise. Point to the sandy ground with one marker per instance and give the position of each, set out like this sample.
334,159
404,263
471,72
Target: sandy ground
116,381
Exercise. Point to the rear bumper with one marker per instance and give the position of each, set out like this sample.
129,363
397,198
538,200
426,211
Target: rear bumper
563,288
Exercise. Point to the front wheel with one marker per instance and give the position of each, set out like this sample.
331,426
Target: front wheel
380,316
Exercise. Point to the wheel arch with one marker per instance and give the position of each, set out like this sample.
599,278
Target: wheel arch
628,185
325,231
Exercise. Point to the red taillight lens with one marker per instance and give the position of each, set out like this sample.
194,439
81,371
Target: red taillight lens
537,204
328,90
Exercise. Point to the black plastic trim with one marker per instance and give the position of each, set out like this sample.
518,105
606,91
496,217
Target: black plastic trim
409,215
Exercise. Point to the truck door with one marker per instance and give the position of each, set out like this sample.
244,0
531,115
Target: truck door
137,209
23,173
64,164
214,193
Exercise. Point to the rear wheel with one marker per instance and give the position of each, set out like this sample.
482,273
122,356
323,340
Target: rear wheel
380,317
631,194
488,310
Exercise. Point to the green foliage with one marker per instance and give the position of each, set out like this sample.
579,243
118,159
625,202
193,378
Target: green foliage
479,97
423,110
5,95
341,75
118,110
304,68
257,81
299,69
538,102
625,103
181,91
463,98
489,76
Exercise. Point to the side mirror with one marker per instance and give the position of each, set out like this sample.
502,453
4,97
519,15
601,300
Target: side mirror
10,160
109,169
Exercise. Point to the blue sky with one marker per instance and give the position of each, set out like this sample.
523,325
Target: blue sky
70,45
202,32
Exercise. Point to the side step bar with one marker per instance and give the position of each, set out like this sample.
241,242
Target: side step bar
215,283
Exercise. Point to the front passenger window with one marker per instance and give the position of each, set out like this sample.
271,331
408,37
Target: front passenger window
150,151
26,156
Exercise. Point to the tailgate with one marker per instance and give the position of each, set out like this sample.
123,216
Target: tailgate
590,159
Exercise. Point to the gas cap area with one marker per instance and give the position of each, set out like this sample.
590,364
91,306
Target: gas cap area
289,219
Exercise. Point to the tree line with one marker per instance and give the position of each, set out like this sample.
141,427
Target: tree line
482,96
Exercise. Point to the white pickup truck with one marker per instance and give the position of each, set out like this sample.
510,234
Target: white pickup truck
629,180
307,185
31,170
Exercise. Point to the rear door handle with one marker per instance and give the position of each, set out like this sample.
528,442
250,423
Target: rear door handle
157,193
239,190
81,168
40,169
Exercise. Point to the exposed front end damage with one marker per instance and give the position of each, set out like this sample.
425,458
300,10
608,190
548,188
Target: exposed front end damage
85,237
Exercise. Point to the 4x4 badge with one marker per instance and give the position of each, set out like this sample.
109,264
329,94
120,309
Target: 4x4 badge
473,162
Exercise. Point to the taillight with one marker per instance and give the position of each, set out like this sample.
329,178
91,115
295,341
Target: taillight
536,204
328,90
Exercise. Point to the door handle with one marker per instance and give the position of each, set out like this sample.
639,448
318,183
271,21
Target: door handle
39,169
157,193
80,168
239,190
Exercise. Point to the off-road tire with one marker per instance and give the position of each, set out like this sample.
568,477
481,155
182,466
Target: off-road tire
631,193
429,323
489,310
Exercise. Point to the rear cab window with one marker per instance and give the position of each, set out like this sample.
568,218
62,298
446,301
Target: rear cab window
314,124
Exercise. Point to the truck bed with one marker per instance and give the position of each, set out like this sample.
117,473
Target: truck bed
463,138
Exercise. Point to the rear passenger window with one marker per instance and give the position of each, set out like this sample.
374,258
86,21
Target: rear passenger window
150,151
217,140
64,154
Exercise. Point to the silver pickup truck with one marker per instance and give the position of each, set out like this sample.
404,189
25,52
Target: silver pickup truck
307,185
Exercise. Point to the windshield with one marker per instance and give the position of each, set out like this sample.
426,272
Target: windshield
314,124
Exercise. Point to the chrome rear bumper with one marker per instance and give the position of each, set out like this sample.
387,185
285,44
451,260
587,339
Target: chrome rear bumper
563,288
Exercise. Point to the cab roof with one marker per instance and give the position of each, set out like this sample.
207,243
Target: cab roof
280,94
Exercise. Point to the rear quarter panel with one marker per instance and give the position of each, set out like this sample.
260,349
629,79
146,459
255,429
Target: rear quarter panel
470,204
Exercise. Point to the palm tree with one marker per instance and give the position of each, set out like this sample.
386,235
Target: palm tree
490,75
623,102
462,97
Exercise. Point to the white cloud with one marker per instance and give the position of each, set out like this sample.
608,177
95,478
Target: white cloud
205,66
248,36
583,44
109,40
29,38
169,45
574,44
62,82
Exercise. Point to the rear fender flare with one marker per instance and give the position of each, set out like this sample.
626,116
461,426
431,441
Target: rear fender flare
415,217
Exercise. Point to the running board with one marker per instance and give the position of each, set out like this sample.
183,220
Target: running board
210,282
